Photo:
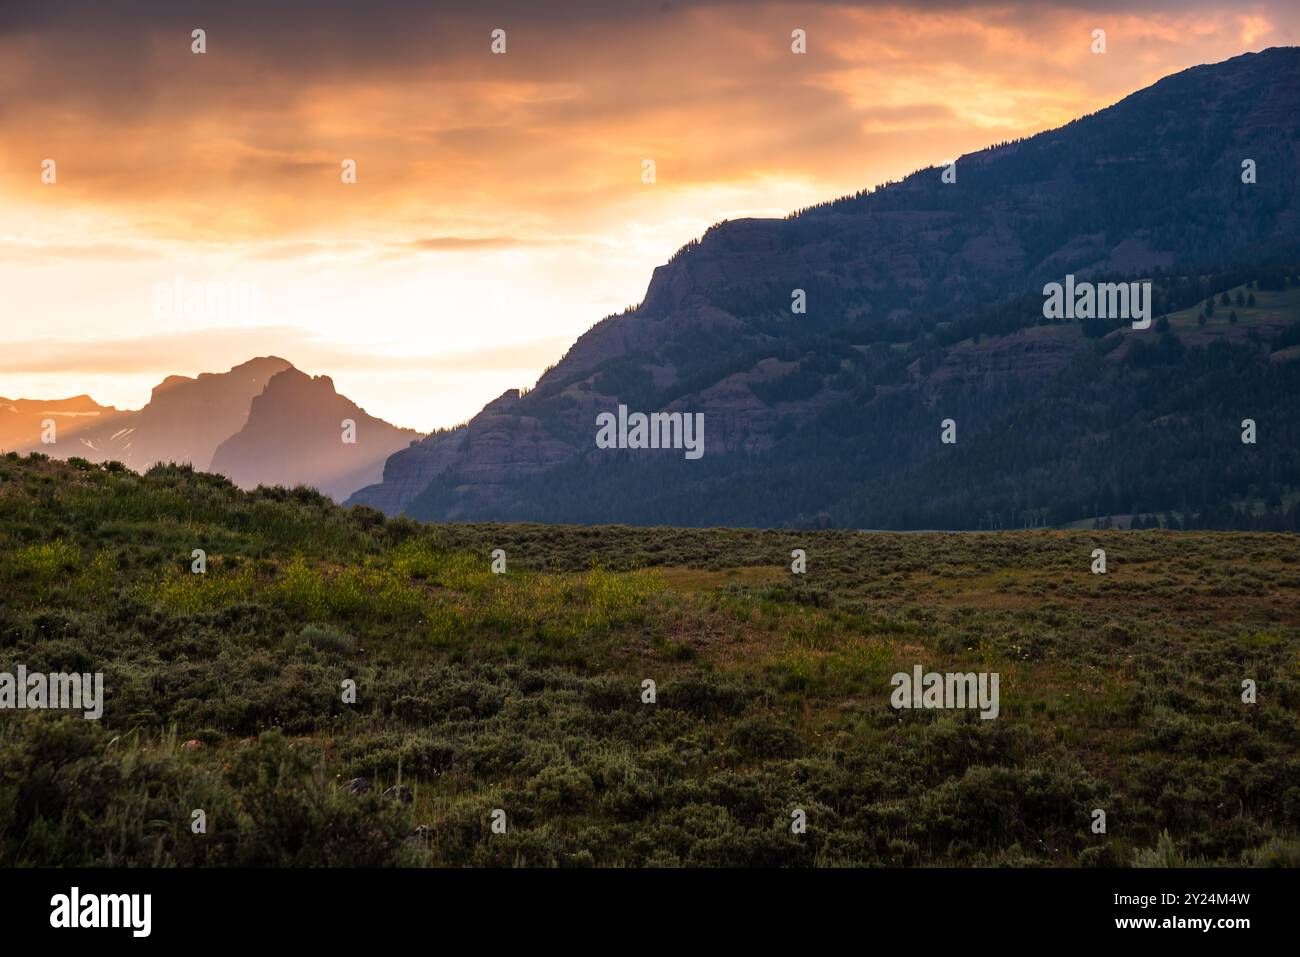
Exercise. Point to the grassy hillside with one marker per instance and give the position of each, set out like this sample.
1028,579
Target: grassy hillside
522,691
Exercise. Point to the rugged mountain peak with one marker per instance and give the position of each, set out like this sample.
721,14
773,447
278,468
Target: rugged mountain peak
298,433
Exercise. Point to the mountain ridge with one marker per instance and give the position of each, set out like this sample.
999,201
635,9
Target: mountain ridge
1149,187
190,419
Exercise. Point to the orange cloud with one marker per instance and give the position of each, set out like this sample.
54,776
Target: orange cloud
498,198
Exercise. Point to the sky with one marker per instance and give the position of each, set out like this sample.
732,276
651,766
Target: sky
198,215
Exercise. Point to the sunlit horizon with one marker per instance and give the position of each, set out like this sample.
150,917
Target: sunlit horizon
499,210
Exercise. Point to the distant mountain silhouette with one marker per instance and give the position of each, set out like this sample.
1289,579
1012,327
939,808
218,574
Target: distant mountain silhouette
924,302
184,421
191,420
23,421
295,436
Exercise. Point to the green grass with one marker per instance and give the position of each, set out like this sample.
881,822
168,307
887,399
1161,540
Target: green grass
1272,308
523,691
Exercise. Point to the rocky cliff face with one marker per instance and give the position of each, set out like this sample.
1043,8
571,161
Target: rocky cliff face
1150,184
186,419
295,434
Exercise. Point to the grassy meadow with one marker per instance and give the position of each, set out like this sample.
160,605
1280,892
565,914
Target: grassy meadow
523,691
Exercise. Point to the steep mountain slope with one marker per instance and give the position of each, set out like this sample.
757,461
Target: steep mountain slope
922,298
295,436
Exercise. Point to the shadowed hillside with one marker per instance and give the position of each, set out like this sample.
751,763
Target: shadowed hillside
924,303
